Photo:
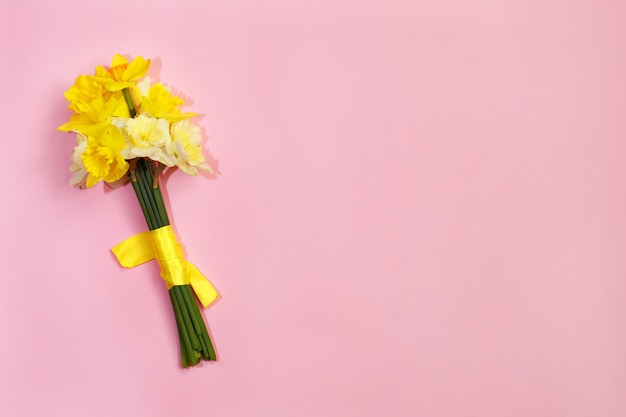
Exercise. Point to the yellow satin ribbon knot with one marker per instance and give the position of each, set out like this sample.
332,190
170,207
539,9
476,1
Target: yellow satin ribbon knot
161,244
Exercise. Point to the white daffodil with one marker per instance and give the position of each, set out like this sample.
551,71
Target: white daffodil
185,146
79,176
148,137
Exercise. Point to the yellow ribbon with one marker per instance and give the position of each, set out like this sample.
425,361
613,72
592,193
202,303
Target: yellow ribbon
161,244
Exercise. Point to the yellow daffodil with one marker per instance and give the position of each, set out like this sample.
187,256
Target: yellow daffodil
94,106
84,91
122,74
159,102
102,157
96,115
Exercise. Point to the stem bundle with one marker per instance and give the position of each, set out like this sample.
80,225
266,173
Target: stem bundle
195,344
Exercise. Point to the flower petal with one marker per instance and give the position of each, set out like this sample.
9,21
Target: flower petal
137,69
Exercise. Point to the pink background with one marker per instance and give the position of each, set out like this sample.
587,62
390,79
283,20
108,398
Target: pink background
421,211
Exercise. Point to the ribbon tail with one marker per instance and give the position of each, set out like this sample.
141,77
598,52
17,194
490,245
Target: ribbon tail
135,250
204,290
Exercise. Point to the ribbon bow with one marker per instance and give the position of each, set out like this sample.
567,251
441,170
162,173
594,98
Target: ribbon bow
161,244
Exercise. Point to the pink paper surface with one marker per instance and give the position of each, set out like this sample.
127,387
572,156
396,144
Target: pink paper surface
421,211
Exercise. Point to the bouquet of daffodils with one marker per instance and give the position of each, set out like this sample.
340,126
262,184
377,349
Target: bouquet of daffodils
129,129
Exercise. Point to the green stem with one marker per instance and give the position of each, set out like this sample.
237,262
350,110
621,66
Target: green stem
183,351
186,351
195,343
161,205
142,203
148,196
129,102
208,353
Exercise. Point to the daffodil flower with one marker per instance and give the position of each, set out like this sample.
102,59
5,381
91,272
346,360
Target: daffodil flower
185,146
159,102
102,157
79,172
84,91
122,74
96,115
146,136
